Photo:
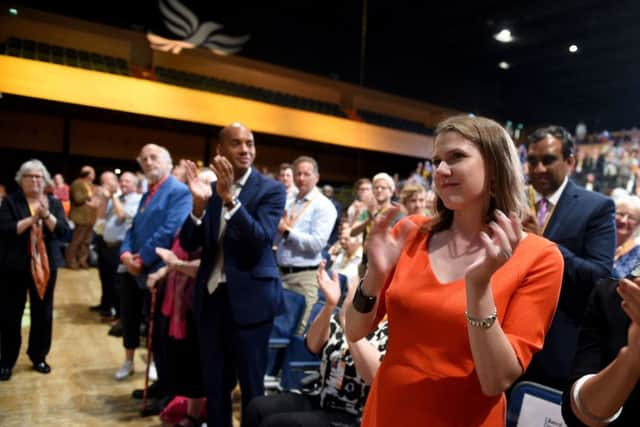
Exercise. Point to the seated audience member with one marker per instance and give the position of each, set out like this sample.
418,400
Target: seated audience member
627,220
413,198
346,371
604,385
348,256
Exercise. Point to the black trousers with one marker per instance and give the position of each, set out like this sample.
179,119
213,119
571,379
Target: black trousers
131,305
294,410
108,260
230,353
13,297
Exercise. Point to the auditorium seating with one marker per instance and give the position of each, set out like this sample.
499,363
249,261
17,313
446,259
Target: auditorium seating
393,122
30,49
210,84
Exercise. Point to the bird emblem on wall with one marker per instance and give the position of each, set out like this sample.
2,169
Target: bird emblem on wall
191,33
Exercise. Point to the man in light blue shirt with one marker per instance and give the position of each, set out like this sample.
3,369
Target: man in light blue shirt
120,208
305,229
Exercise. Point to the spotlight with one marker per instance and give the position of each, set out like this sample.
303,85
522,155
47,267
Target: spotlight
573,48
504,65
504,36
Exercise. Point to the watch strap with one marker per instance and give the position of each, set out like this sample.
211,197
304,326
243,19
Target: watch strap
363,303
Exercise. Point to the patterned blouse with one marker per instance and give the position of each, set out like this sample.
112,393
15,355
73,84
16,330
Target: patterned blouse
624,265
342,388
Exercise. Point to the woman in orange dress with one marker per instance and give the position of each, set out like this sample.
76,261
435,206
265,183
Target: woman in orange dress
468,293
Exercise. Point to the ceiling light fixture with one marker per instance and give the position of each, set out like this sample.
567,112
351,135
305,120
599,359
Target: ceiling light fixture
573,48
504,36
13,11
504,65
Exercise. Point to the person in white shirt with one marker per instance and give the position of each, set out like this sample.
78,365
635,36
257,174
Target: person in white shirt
304,231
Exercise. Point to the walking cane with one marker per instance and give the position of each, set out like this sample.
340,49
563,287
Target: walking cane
152,310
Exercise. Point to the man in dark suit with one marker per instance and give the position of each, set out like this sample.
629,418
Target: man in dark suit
238,288
582,223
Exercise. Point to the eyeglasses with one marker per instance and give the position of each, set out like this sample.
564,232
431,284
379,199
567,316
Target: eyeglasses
622,215
29,176
547,160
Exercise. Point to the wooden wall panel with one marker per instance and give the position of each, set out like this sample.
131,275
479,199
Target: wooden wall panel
98,139
27,131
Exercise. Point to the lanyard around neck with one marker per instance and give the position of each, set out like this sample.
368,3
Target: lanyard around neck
294,218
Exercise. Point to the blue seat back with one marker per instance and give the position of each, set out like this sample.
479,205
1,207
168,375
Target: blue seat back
285,324
284,327
534,404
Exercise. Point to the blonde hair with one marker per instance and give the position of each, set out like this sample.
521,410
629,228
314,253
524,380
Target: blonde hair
409,190
505,181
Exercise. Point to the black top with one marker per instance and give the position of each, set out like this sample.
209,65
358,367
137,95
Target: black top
602,334
14,248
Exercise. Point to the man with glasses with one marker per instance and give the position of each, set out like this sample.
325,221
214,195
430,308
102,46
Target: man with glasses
383,188
582,223
378,204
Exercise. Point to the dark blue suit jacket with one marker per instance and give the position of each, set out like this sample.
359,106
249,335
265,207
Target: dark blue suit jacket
253,278
156,224
583,227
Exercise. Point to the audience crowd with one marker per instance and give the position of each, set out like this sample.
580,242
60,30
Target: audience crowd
489,265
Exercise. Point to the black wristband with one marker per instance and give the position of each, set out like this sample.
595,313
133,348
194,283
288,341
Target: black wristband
363,303
285,234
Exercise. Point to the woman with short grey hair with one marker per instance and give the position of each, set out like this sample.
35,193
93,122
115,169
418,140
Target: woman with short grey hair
33,165
31,224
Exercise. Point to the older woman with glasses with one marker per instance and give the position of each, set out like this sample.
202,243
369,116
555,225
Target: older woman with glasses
31,223
627,221
604,385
